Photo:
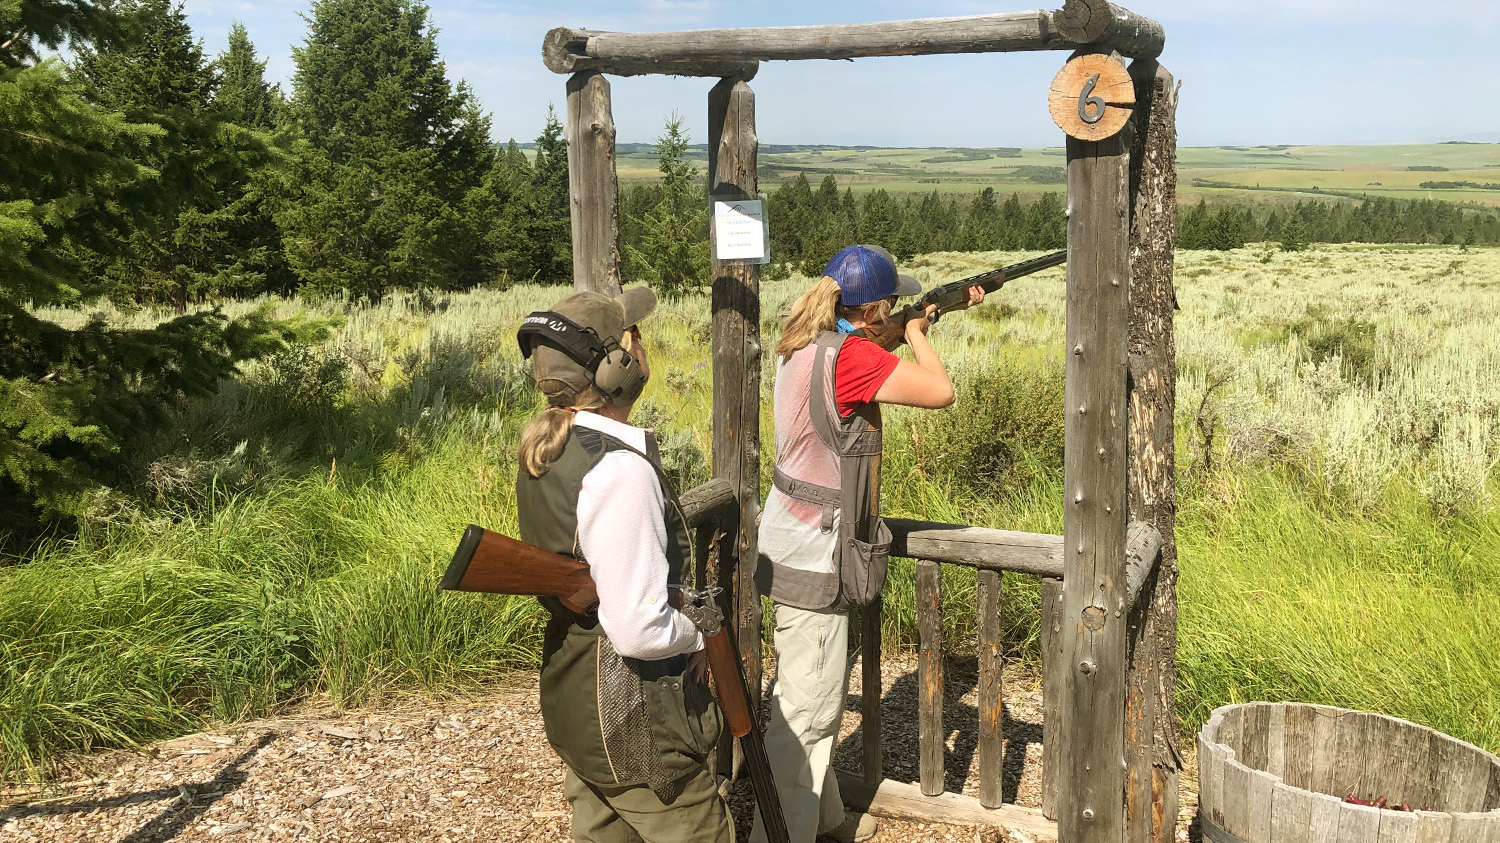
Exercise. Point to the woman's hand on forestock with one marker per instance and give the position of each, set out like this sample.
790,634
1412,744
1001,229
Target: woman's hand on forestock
976,296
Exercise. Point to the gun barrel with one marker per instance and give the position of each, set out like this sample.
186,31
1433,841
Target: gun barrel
952,295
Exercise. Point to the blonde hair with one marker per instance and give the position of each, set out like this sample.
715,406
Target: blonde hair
545,436
818,310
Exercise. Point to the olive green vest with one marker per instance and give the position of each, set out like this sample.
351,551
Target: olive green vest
615,721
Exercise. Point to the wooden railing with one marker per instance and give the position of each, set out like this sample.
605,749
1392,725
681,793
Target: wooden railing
990,552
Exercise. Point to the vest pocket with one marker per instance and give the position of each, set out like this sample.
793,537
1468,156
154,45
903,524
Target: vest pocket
684,717
862,566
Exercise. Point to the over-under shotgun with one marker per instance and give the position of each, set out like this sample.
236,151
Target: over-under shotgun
493,563
954,295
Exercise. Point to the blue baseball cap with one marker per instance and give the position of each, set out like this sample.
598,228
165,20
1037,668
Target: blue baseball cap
868,274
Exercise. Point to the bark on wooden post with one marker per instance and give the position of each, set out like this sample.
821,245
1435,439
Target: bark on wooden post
991,699
1151,733
1092,782
736,368
593,188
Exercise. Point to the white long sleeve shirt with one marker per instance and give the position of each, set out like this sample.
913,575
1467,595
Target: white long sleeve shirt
623,536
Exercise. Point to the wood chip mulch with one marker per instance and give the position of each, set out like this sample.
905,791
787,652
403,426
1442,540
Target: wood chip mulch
476,771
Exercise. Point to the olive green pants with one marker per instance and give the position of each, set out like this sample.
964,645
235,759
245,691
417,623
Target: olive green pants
636,815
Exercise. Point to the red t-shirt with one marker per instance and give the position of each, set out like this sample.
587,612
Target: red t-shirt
862,368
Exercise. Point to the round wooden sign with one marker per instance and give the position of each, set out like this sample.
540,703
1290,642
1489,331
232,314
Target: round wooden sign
1092,97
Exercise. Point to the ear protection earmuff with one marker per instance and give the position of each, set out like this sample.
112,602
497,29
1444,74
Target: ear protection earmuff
613,370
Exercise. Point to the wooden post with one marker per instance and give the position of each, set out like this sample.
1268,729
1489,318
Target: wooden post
593,189
930,676
991,697
736,362
1153,755
871,690
1054,678
1092,782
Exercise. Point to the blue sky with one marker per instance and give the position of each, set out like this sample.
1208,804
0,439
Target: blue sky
1252,71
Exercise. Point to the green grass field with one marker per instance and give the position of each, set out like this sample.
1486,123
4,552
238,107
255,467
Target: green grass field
1337,453
1373,170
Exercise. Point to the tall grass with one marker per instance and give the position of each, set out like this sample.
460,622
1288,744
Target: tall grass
1338,532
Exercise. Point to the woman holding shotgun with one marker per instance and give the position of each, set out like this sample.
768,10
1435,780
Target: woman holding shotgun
623,690
822,545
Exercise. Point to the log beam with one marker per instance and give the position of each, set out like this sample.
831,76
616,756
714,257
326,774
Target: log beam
977,547
1109,26
566,50
1142,549
902,801
704,504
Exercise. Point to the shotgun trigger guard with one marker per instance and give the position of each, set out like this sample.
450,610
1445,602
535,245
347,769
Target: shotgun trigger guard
702,609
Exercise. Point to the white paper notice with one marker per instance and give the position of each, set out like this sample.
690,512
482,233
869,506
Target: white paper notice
740,231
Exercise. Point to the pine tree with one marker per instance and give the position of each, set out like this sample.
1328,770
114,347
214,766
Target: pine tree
244,97
673,256
381,194
209,235
550,228
69,398
1293,232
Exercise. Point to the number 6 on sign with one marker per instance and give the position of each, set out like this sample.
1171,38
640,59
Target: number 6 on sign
1092,97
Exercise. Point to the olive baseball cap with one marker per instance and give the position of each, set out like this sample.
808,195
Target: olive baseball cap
555,373
868,274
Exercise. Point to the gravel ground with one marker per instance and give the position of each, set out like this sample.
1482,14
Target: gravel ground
477,771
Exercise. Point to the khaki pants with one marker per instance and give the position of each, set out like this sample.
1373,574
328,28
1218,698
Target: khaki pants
636,815
807,706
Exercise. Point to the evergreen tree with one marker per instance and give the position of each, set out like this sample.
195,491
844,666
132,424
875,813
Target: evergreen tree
69,398
673,255
244,97
209,235
550,227
509,186
1293,232
393,152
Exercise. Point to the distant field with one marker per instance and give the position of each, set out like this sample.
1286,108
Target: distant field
1276,174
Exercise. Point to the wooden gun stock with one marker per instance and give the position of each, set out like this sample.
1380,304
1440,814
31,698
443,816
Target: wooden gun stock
493,563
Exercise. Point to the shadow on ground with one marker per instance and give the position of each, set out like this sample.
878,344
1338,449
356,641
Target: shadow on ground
189,802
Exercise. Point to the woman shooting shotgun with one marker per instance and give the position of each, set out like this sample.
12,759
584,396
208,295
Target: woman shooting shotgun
823,548
622,687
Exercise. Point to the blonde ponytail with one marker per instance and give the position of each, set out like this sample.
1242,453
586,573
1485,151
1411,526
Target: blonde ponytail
818,310
545,436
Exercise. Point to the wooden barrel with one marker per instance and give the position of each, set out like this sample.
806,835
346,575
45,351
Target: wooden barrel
1281,772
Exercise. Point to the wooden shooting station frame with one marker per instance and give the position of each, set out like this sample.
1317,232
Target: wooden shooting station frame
1109,608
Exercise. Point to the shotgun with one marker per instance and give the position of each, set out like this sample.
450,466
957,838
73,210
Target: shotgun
493,563
953,295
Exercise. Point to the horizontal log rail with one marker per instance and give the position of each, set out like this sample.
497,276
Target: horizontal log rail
734,52
1011,32
978,547
1109,27
1142,552
702,504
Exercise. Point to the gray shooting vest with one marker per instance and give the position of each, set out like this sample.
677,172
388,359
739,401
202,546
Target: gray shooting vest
864,541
